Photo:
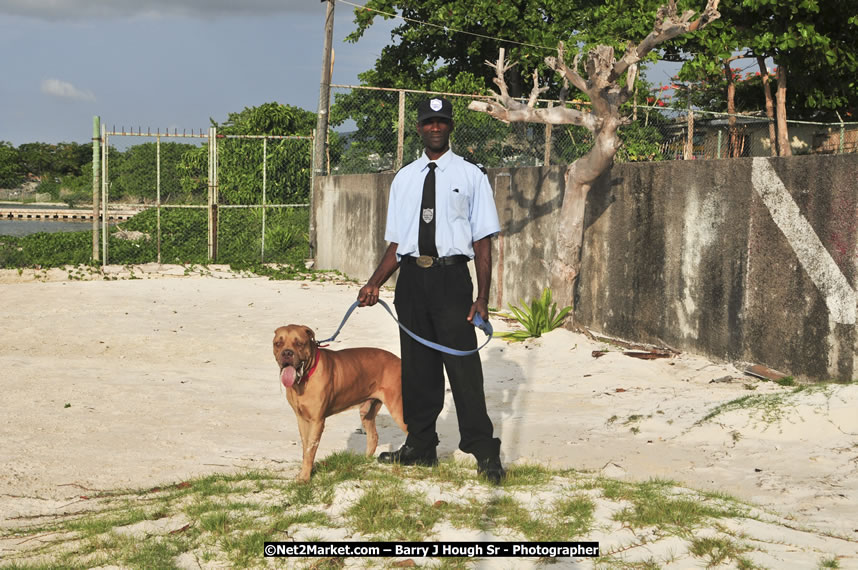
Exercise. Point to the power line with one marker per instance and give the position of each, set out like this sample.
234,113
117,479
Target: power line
456,31
446,28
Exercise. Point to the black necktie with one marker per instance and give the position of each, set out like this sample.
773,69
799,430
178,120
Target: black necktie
426,235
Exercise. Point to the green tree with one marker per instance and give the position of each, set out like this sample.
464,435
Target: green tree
372,147
37,158
422,53
57,159
70,158
477,136
435,57
135,176
813,44
240,161
55,165
11,174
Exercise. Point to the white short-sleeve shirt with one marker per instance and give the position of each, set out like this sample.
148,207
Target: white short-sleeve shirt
464,203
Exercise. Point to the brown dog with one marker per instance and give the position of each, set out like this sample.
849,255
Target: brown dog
321,382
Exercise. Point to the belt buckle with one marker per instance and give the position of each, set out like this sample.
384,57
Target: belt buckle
425,261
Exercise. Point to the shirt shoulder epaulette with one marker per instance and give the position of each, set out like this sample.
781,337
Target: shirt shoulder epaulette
475,163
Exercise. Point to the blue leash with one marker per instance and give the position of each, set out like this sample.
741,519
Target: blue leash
478,321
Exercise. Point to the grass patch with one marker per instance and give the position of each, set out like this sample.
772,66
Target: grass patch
392,512
786,381
661,504
771,408
678,516
223,520
717,550
576,514
528,474
831,562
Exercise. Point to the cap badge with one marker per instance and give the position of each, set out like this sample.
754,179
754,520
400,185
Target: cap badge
435,104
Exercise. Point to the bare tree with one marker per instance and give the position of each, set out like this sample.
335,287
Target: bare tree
603,86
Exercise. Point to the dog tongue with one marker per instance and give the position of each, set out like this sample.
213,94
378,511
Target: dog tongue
287,376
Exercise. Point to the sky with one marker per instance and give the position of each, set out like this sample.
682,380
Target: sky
165,63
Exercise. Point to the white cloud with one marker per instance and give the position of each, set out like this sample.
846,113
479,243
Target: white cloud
56,10
65,90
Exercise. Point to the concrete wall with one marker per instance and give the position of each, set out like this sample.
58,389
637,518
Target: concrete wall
350,214
750,260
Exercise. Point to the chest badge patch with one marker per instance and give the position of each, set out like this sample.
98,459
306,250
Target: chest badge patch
428,214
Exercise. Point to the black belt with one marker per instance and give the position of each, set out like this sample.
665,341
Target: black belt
426,261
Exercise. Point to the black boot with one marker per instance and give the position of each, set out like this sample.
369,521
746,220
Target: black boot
491,469
407,455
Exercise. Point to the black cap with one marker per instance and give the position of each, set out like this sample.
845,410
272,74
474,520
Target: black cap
435,107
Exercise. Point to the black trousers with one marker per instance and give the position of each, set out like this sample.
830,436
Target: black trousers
433,303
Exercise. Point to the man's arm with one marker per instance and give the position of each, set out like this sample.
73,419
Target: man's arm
483,267
368,295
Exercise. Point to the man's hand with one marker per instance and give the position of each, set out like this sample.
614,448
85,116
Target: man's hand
480,306
368,295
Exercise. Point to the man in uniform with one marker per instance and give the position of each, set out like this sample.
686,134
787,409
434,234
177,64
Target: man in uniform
441,214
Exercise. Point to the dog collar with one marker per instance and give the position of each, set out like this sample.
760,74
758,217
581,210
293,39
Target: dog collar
315,364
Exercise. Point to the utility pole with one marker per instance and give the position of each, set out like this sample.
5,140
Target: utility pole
321,139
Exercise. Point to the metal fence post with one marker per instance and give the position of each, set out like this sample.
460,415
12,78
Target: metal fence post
546,161
689,143
158,194
312,229
842,134
213,198
264,181
104,185
400,132
720,133
96,182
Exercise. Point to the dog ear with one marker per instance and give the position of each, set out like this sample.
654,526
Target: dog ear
310,334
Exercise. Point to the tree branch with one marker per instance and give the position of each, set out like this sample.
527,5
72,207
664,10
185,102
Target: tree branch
667,26
558,64
549,116
500,70
537,90
603,73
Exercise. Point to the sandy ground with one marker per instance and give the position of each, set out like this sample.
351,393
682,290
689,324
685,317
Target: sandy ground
137,382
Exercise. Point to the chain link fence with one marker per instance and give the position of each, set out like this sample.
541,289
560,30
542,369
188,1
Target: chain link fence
263,188
211,198
368,137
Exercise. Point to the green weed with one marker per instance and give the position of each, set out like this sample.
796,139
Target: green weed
540,317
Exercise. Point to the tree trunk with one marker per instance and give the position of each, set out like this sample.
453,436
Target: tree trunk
783,133
732,136
564,269
603,85
515,83
770,104
689,138
579,178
